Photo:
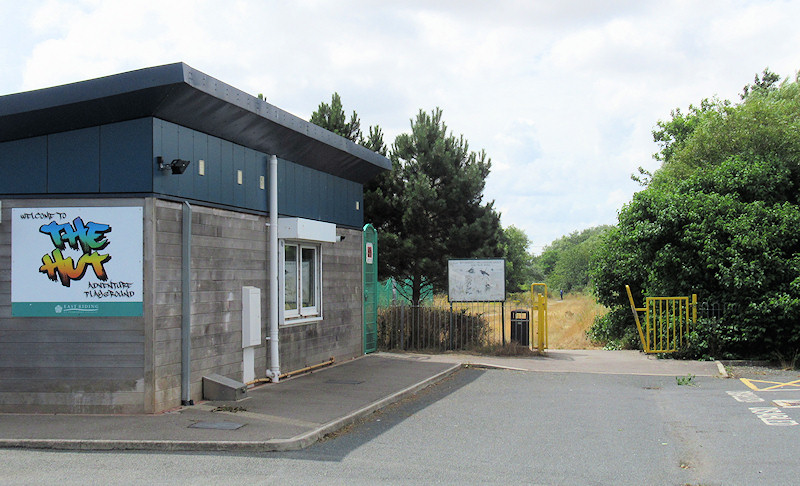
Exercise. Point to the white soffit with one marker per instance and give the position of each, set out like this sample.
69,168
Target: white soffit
306,230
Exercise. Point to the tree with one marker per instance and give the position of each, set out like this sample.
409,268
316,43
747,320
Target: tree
519,262
429,207
767,82
565,263
332,118
377,191
433,207
726,226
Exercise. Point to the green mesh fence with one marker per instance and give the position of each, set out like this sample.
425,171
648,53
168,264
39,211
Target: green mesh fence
396,292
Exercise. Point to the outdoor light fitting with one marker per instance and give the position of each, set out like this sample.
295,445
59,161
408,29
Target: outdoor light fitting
178,166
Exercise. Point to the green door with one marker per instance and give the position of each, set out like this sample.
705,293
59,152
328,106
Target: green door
370,255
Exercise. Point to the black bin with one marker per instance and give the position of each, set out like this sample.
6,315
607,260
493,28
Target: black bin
520,322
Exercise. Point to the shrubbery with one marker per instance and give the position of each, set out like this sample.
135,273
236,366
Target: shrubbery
720,219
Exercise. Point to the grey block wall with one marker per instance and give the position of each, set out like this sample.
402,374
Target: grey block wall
65,364
340,334
133,364
229,251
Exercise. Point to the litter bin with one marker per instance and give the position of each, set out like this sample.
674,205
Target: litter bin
520,322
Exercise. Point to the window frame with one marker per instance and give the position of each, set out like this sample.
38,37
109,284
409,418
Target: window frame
301,313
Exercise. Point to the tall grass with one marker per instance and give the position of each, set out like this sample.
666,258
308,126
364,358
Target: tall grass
570,319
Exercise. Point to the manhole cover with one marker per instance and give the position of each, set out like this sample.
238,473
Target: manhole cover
216,425
344,382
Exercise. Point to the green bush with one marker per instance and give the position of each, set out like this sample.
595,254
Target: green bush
615,330
720,219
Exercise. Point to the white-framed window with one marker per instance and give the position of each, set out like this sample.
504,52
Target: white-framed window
302,277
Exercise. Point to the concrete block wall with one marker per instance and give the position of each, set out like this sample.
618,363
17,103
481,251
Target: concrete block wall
133,364
229,251
340,334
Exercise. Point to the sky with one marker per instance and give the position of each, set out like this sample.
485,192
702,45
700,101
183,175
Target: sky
561,94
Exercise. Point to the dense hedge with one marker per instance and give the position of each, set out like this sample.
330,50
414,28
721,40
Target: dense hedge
720,219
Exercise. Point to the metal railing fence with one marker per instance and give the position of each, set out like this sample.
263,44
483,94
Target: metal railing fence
457,326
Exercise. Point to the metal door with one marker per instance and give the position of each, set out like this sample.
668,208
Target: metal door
370,255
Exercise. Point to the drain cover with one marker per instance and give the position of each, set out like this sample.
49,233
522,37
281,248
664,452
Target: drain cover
216,425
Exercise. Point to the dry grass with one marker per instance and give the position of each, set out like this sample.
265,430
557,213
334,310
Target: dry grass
570,319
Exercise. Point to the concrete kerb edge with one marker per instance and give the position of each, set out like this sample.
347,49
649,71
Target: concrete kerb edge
304,440
275,445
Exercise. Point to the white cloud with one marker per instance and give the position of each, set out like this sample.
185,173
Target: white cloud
562,95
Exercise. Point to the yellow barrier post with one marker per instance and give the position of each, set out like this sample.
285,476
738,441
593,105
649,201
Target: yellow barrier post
539,304
542,322
636,310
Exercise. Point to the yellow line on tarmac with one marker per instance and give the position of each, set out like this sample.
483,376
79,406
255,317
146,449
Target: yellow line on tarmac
776,385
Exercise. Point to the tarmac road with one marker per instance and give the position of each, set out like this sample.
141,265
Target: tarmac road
500,426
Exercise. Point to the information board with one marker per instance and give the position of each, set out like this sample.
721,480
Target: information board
476,280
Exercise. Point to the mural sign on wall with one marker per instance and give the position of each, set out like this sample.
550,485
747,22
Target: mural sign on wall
476,280
81,261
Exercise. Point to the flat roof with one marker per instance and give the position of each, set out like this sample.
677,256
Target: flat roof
183,95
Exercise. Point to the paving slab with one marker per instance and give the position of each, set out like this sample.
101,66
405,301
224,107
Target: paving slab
584,361
288,415
297,412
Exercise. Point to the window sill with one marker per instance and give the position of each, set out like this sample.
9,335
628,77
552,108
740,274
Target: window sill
299,320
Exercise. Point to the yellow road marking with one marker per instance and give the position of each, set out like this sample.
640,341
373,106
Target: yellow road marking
775,385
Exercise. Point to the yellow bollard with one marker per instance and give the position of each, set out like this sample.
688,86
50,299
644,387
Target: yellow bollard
539,304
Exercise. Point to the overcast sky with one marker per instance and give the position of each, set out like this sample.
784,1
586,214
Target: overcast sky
562,95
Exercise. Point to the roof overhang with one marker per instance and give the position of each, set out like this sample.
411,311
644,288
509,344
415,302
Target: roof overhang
180,94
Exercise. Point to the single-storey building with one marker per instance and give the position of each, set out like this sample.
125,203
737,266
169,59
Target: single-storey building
158,226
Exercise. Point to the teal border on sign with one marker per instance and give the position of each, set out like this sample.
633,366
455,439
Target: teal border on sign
77,309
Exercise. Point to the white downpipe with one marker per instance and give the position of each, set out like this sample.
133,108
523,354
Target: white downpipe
274,371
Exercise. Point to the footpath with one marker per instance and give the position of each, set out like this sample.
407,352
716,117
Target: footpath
300,411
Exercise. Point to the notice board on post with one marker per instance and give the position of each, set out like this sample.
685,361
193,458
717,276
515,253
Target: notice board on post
476,280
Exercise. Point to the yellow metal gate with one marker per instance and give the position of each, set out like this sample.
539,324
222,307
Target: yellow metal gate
667,321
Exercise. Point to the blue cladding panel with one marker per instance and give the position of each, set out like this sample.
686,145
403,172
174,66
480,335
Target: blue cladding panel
226,173
157,149
213,167
200,153
23,165
307,193
238,165
256,198
250,178
185,181
126,156
120,158
304,188
282,168
73,162
312,196
287,190
165,144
